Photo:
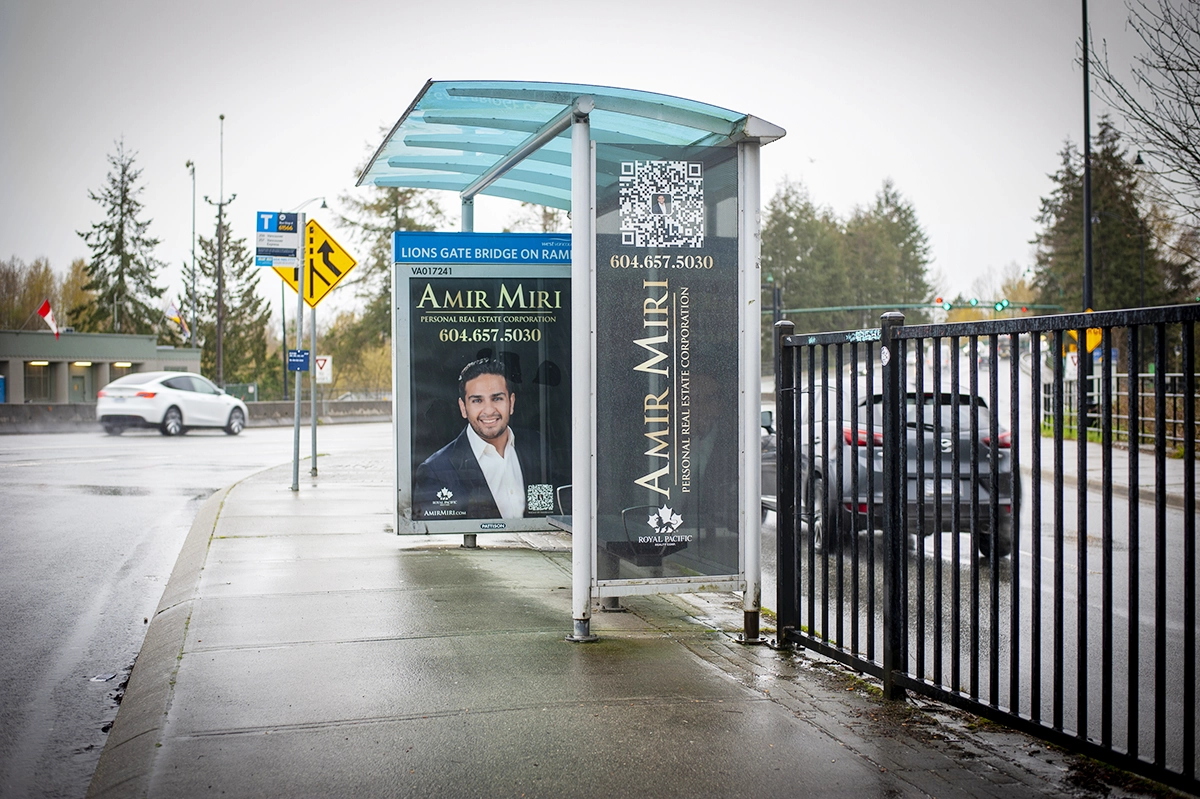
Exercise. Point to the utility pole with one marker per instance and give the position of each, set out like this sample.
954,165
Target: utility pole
195,300
220,204
1087,172
1088,304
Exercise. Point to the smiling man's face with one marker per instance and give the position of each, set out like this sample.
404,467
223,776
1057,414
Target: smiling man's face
487,407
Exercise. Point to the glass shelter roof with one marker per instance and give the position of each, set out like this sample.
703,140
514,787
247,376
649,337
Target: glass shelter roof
512,138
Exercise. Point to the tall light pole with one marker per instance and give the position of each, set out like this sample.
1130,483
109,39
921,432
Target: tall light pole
195,300
1087,172
220,204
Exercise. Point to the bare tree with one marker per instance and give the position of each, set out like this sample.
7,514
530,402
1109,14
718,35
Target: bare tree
1161,98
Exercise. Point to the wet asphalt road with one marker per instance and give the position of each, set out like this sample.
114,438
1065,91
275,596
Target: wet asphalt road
90,528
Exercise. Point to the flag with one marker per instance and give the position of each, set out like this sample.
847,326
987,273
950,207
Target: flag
48,315
175,316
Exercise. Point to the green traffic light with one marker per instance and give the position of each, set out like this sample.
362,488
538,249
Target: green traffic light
999,306
974,302
947,306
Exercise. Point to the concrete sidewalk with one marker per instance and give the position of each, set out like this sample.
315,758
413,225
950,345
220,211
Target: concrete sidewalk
1174,477
301,649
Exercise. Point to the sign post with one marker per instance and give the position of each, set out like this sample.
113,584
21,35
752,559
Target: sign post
299,345
321,267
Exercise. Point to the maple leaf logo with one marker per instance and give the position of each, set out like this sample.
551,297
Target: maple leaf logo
445,495
665,520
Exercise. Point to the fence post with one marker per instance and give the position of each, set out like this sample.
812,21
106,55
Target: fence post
787,599
894,537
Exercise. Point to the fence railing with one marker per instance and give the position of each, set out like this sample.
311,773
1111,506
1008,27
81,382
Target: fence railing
931,535
1139,393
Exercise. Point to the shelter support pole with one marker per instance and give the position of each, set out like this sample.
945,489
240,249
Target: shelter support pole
468,215
750,323
468,226
583,381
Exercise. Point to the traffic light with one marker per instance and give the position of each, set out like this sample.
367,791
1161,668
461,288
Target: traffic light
1000,305
946,304
974,302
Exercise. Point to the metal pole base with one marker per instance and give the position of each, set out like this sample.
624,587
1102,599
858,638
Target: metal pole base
751,635
469,541
583,633
612,604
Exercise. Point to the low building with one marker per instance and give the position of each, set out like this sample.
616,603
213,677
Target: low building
36,367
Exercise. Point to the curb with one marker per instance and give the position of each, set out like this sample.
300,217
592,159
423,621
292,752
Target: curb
1145,496
126,764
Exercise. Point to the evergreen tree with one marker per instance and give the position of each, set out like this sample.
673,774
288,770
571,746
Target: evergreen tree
880,256
1127,269
72,291
122,270
887,257
246,313
372,221
802,254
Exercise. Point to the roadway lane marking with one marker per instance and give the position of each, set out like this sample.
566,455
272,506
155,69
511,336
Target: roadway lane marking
19,464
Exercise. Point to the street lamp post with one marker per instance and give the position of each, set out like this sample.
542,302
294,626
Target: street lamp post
1087,172
220,204
195,300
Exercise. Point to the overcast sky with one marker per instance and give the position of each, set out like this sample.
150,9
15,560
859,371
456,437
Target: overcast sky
964,104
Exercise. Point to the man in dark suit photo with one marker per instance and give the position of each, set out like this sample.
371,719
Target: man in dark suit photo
661,204
482,473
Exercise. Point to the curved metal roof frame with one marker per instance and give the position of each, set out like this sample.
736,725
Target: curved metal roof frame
469,136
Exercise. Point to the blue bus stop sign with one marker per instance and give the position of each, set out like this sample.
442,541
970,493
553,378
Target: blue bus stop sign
297,360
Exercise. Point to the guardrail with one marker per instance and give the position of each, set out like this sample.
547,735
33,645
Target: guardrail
911,548
81,416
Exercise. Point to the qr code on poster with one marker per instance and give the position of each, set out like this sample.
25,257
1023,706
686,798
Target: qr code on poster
539,498
662,203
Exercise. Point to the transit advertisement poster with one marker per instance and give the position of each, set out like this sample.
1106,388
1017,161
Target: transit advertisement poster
667,358
483,341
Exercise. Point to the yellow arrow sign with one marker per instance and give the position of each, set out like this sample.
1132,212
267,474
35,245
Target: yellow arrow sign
1093,337
325,264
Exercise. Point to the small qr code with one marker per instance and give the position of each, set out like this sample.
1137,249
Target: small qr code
662,203
539,498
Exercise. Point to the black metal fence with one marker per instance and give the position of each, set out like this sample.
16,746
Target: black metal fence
958,517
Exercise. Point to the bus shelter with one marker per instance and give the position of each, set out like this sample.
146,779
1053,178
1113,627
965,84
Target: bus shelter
628,384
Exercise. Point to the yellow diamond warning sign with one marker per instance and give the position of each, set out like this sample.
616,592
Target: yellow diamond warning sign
325,264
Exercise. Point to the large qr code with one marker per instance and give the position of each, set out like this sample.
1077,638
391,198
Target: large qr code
662,203
539,498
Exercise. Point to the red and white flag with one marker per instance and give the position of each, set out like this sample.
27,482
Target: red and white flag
48,315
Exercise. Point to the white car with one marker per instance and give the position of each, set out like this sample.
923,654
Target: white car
171,401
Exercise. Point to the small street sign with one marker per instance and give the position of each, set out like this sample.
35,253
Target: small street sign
297,360
326,263
277,239
324,364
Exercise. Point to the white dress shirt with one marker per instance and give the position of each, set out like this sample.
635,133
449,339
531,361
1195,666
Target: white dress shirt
503,474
